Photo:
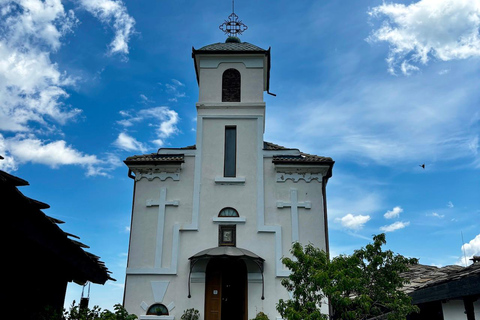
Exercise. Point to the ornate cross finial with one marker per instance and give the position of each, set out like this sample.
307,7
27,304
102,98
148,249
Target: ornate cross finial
233,27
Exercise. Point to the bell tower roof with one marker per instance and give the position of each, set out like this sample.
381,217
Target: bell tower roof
230,47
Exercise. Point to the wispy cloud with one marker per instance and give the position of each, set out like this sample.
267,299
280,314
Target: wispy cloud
426,29
165,121
450,204
129,143
176,89
394,213
113,13
388,122
436,215
352,222
395,226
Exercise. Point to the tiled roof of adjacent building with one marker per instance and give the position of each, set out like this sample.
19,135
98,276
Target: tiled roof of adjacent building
231,46
445,282
24,214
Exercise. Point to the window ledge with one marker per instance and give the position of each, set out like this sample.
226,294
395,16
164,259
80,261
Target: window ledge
157,317
232,219
233,180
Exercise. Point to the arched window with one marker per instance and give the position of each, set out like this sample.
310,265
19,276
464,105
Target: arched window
228,213
157,309
231,86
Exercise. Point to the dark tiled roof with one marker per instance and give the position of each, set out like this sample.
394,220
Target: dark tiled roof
302,158
273,146
155,158
232,46
423,276
25,214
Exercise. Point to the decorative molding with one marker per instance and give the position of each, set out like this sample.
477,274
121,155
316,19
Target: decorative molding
171,306
234,180
295,176
159,288
229,220
163,175
294,205
144,305
162,203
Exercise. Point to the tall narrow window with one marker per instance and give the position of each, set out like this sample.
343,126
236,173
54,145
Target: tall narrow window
231,86
230,159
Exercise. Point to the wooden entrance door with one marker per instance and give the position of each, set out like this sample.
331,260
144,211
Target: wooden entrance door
226,290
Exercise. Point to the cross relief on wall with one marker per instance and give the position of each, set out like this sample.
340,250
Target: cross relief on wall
294,205
162,203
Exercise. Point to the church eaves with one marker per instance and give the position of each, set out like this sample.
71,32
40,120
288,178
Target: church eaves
154,158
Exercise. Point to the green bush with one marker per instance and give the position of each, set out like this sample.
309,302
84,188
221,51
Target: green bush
190,314
96,313
261,316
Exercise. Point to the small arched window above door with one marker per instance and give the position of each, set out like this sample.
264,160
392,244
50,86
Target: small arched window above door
157,309
228,213
231,85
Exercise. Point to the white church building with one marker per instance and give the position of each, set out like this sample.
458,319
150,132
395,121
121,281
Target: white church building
211,221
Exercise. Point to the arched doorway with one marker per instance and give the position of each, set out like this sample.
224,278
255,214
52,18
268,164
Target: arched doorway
226,289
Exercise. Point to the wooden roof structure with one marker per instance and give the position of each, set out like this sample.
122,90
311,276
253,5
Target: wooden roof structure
40,258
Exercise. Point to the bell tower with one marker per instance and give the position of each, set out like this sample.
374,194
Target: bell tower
233,71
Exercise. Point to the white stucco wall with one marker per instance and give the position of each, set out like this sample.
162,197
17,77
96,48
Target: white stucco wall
210,78
191,225
454,310
476,308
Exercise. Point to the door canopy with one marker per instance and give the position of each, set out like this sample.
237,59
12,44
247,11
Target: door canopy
226,252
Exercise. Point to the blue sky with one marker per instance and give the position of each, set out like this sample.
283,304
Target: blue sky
381,87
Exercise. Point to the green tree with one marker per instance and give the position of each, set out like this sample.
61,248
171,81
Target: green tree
96,313
363,285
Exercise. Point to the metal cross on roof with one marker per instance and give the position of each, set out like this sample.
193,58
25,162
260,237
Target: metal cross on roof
233,27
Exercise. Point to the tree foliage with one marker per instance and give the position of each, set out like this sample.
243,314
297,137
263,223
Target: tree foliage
363,285
95,313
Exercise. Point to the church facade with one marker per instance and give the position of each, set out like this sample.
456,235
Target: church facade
211,222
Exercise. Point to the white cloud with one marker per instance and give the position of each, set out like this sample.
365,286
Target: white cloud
397,122
436,215
129,143
31,86
394,213
450,204
469,250
164,119
442,29
175,89
33,89
113,13
350,221
22,149
178,83
395,226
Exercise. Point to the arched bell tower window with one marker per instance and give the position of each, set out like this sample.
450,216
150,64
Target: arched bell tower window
157,309
228,213
231,85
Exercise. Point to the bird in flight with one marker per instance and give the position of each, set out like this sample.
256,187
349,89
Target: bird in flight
422,165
